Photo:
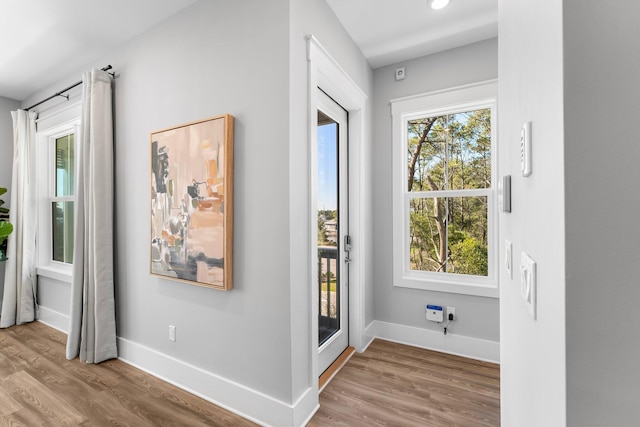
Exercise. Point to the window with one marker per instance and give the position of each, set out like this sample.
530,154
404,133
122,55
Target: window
62,199
56,150
444,203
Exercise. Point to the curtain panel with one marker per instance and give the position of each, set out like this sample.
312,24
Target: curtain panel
20,279
92,325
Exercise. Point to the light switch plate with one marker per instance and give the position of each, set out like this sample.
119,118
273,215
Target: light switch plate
528,283
508,258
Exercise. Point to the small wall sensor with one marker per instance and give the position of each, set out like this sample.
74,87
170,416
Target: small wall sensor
435,313
525,149
400,73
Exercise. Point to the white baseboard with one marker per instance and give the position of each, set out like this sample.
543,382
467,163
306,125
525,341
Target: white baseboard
52,318
367,337
459,345
234,397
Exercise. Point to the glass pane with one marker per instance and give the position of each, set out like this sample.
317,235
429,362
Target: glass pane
426,154
328,228
449,152
469,150
449,235
467,234
64,166
62,231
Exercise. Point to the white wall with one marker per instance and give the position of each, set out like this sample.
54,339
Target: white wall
602,148
477,316
6,158
531,89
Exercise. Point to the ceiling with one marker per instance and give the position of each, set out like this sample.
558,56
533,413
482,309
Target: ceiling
391,31
43,41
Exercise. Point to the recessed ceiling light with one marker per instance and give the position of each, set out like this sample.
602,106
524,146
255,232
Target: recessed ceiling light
438,4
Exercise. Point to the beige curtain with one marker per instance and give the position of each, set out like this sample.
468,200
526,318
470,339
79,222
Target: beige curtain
92,326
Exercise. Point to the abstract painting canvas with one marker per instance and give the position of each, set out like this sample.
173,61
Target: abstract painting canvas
192,202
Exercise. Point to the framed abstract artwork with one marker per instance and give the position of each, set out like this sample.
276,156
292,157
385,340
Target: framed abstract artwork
192,202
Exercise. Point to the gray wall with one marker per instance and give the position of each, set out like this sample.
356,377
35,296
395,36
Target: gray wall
602,148
478,317
6,158
247,59
216,57
530,89
316,18
212,58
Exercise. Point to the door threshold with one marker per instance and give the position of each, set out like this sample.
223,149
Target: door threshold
333,369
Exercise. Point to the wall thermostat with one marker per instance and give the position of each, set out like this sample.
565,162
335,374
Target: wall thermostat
400,73
525,149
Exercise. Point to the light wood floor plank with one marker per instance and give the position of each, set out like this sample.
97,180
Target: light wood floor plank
36,376
32,394
388,385
392,384
8,404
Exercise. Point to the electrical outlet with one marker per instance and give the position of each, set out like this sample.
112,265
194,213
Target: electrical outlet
172,333
451,311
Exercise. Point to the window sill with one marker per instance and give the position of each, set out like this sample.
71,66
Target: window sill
450,286
62,274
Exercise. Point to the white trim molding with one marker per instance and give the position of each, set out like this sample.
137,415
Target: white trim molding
52,318
326,73
459,345
230,395
459,99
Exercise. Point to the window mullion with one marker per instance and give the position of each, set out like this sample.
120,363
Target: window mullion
479,192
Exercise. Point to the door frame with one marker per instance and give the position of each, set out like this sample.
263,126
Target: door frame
335,344
327,74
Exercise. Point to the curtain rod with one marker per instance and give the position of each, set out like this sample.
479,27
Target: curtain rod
108,67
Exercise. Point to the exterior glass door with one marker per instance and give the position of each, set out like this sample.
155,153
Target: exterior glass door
332,224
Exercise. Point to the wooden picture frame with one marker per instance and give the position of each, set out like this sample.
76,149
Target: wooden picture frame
192,202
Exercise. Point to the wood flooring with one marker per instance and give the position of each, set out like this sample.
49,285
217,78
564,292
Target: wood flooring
397,385
387,385
335,367
40,387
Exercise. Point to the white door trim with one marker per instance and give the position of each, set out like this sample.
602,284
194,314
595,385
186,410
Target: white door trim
327,74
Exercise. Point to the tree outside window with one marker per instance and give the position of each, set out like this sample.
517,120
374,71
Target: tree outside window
448,183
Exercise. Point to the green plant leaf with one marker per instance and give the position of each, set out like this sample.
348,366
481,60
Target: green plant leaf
4,210
2,190
6,228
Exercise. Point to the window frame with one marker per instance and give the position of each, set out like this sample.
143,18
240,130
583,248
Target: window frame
46,181
460,99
